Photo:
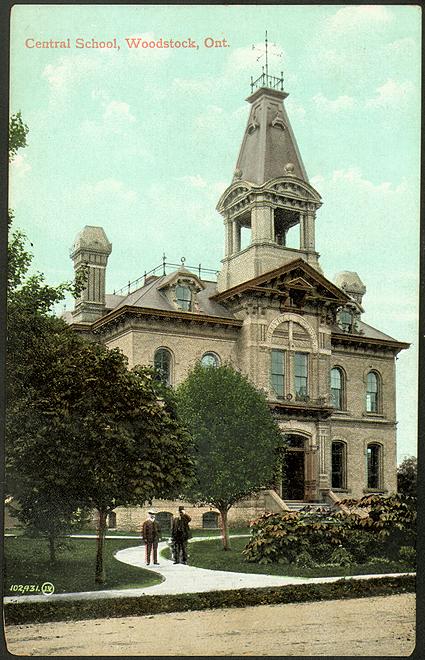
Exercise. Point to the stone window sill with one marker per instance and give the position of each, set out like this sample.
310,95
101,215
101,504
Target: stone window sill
374,415
375,491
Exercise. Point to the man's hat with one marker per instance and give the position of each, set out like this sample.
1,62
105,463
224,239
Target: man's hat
152,512
181,508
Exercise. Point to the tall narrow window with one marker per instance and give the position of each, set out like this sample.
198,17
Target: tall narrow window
162,363
372,392
301,378
346,320
184,297
338,465
336,388
278,372
374,466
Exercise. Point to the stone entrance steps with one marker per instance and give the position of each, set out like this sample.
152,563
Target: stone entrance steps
298,505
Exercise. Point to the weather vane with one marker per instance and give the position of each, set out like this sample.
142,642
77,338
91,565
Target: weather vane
275,50
264,80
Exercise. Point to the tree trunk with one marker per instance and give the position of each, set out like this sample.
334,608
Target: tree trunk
52,549
100,575
224,529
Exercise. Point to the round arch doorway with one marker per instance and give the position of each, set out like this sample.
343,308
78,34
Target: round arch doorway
293,473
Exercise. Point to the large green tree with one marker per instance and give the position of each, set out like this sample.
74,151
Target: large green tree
82,430
98,435
32,333
235,435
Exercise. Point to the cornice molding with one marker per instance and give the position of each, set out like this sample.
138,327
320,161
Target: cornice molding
130,311
361,340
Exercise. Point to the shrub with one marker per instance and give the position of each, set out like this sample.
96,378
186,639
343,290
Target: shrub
341,557
362,544
305,560
389,524
407,554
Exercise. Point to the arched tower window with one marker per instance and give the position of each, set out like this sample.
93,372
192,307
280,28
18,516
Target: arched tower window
374,461
162,363
372,392
210,360
339,460
337,388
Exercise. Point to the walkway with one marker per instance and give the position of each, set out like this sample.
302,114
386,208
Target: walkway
179,579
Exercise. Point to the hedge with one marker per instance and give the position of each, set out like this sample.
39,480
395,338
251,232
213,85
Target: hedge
73,610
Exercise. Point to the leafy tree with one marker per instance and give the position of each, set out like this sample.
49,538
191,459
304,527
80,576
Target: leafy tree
17,134
81,429
93,434
31,332
407,475
49,516
235,437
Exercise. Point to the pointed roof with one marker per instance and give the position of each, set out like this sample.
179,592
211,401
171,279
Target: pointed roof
269,149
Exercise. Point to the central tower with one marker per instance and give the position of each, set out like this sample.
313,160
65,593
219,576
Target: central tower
269,194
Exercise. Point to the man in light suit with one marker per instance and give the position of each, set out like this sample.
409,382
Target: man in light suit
151,534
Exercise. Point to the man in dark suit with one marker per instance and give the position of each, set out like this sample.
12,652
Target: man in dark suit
151,534
180,536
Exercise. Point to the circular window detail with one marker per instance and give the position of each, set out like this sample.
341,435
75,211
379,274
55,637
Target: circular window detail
210,360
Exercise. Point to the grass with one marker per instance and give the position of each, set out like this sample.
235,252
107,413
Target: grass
210,554
27,563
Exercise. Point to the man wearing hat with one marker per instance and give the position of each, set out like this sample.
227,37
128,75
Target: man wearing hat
151,534
180,535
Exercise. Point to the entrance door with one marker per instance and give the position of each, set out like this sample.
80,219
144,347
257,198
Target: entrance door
293,473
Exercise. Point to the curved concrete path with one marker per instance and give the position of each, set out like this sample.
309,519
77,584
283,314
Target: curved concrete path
181,579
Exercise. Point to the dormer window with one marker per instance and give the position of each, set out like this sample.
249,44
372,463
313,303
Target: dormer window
346,320
181,290
184,297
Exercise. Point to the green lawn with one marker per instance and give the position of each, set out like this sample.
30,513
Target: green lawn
27,563
209,554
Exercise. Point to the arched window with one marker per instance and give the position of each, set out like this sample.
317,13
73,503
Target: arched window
338,465
374,459
337,388
210,360
210,520
184,297
162,363
372,392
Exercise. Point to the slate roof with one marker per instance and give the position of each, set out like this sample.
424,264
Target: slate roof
269,143
367,331
149,296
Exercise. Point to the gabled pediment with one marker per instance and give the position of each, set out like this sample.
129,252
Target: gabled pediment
183,277
296,278
299,283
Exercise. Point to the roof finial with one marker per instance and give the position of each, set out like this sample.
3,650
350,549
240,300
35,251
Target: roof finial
265,80
267,60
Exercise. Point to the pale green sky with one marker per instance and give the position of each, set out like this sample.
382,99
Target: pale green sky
143,142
